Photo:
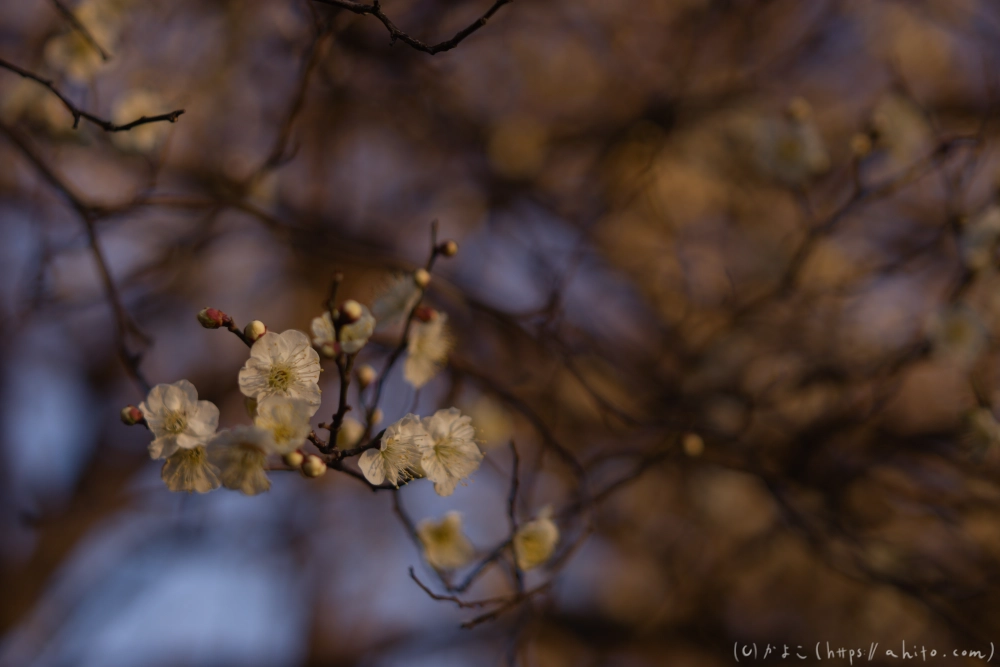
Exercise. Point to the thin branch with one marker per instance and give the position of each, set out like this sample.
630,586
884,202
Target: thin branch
80,28
461,604
510,604
512,514
79,113
375,9
123,321
277,155
480,568
507,602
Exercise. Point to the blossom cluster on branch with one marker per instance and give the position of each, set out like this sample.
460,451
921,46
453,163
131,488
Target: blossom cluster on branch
280,381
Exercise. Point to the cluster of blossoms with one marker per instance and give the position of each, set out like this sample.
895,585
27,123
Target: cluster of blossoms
446,546
280,380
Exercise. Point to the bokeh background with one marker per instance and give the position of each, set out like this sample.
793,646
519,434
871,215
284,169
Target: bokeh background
737,256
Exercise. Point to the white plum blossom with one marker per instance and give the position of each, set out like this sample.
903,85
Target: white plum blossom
396,302
397,459
427,348
449,453
535,541
282,365
286,420
190,470
445,545
240,454
353,336
177,419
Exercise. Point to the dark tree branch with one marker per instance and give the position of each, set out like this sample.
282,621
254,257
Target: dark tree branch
375,9
79,113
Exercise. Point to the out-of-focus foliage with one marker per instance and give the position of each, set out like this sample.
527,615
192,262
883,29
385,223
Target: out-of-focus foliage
772,224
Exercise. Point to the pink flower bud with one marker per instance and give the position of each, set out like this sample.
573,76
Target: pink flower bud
212,318
425,314
254,330
131,415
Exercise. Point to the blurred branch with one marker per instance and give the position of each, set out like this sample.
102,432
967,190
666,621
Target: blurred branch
80,28
277,156
78,113
123,321
375,9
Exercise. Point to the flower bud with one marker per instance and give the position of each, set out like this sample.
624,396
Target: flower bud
212,318
693,444
449,248
131,415
313,466
351,311
377,416
366,375
425,314
293,459
254,330
422,278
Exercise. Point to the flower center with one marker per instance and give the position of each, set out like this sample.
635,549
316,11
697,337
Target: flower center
193,456
175,422
280,377
282,433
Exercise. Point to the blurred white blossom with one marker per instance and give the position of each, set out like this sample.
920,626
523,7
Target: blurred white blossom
177,419
282,365
957,334
789,148
131,106
535,541
72,54
352,336
30,102
396,301
240,454
449,453
190,470
445,545
350,433
427,348
397,458
286,420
